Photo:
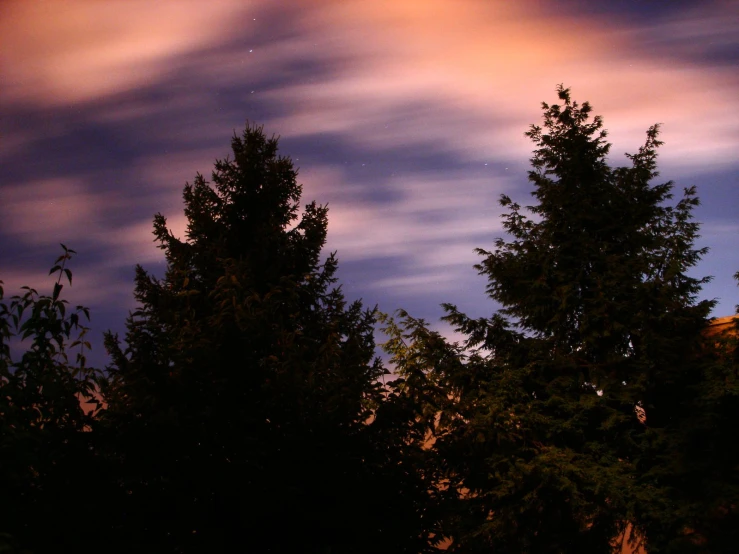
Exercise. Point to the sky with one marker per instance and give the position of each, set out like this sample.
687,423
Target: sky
406,116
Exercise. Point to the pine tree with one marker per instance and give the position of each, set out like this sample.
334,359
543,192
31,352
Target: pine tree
240,408
538,436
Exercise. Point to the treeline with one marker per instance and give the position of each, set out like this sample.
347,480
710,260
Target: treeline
245,409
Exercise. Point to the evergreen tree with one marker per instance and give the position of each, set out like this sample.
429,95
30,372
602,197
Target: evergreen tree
541,441
241,408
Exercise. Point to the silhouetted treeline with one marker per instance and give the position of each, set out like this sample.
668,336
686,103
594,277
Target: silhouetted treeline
244,408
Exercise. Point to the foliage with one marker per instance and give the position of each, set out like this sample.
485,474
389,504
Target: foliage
242,407
44,445
704,453
538,443
245,406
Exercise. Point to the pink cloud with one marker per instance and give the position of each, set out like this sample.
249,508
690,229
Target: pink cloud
74,51
460,77
481,68
41,212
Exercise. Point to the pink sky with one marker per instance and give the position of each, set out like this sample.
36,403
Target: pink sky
421,107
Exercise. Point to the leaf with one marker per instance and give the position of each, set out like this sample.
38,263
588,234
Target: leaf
55,268
57,289
68,272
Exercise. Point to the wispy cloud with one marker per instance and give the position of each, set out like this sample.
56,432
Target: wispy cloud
428,91
465,75
75,51
33,212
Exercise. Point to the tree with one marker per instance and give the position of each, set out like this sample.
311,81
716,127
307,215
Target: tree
538,441
704,453
46,448
241,408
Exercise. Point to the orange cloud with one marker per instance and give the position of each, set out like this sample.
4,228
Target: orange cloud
485,66
74,51
464,74
462,78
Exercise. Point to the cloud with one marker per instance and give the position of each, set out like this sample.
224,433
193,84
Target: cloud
403,83
466,75
427,217
39,212
75,51
457,76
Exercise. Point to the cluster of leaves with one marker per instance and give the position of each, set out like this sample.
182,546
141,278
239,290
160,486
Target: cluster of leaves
47,405
244,407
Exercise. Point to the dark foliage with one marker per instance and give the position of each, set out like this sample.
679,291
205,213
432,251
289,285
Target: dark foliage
702,457
245,412
241,410
540,439
46,447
